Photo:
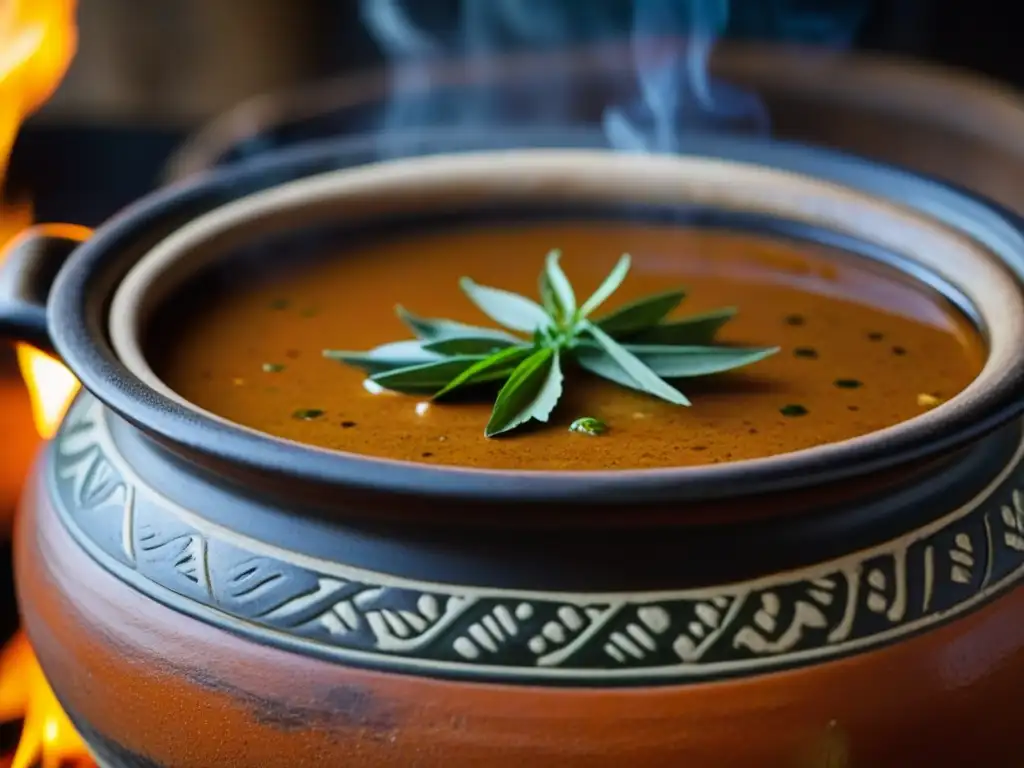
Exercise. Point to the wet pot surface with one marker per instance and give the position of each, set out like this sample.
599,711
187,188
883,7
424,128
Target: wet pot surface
189,549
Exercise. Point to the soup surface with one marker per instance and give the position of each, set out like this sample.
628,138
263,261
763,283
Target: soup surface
862,347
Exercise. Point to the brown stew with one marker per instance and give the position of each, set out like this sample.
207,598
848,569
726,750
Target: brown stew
863,348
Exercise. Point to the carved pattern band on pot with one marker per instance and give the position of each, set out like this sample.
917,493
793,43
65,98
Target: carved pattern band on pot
372,619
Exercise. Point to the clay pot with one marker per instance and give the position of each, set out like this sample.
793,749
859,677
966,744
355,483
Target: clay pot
200,594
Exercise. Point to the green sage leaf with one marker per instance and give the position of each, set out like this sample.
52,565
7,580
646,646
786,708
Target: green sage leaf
506,308
496,366
426,377
387,357
436,328
608,287
470,345
531,392
547,295
640,314
562,295
595,360
673,362
631,346
644,377
692,330
588,425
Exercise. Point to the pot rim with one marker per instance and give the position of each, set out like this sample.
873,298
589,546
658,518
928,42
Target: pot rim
989,401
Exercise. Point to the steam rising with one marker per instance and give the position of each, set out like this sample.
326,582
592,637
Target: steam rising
677,92
671,41
395,31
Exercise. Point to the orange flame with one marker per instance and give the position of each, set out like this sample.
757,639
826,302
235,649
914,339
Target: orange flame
37,41
47,738
51,387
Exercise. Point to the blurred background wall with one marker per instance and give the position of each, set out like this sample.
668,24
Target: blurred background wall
176,62
149,71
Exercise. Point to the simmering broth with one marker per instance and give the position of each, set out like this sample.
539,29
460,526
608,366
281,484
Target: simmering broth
862,347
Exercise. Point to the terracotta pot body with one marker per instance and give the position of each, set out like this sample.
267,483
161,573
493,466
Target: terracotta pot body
200,595
880,658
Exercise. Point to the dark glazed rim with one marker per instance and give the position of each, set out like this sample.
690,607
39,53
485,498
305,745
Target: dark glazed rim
80,338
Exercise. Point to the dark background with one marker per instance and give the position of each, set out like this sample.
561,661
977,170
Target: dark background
113,124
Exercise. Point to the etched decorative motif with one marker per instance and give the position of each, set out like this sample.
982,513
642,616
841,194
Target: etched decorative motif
1013,519
375,619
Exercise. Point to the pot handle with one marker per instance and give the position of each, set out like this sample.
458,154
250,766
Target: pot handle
28,268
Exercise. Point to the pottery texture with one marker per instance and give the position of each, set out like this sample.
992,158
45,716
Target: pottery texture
961,559
869,621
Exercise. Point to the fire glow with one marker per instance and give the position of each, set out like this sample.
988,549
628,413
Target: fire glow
37,41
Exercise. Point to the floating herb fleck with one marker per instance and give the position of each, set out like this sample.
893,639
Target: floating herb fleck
794,319
272,367
876,336
588,425
808,352
899,351
633,346
347,424
280,304
307,414
847,383
793,410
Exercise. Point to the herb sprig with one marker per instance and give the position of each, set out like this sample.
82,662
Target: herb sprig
635,346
